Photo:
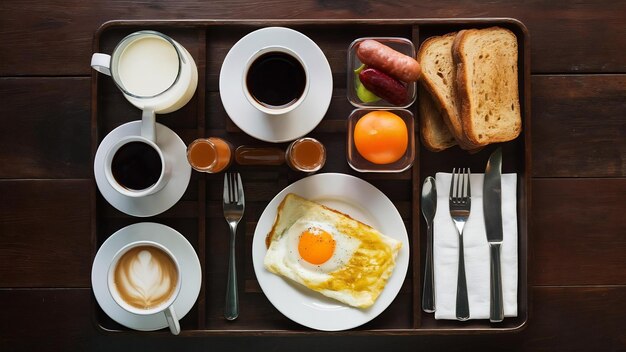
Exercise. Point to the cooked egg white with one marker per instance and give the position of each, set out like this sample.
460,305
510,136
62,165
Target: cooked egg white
329,252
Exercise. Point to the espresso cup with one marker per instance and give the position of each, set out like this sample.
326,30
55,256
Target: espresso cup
275,80
135,166
154,72
144,278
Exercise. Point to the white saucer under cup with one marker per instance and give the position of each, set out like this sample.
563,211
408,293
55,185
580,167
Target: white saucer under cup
174,242
174,151
294,123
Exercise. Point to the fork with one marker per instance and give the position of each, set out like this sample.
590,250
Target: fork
460,200
233,205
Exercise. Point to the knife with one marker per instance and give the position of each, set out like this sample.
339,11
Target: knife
429,206
492,208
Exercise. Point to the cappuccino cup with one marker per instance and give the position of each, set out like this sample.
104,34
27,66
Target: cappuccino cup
144,278
154,72
275,80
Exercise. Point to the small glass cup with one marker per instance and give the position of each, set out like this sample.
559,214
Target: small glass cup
211,155
399,44
306,154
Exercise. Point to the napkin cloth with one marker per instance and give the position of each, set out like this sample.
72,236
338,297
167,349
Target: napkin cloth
477,260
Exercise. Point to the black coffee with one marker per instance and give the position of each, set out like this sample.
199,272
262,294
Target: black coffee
136,166
276,79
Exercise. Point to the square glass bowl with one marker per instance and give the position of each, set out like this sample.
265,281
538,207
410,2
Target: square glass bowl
399,44
359,163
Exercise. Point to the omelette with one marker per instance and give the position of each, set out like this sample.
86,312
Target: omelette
329,252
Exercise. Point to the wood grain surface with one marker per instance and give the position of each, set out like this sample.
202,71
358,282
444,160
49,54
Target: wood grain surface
568,39
47,128
577,318
579,125
579,236
577,271
45,226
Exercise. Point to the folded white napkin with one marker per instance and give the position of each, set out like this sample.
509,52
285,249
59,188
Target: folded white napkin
477,261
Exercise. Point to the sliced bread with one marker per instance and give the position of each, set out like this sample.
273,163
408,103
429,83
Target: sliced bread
438,77
487,84
434,132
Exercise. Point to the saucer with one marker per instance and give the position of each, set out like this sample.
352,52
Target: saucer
174,150
288,126
191,273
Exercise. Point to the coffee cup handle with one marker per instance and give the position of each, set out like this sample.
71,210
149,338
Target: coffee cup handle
172,320
101,63
148,125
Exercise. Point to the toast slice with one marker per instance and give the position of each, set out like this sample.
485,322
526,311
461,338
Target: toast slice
438,77
434,132
368,260
487,84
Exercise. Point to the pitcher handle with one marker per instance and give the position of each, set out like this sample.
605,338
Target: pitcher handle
148,125
101,63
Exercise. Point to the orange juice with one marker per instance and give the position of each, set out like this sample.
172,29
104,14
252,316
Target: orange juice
306,154
209,155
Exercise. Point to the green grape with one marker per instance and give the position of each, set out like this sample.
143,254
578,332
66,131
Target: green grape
361,92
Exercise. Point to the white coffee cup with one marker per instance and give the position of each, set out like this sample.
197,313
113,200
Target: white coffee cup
153,71
271,109
144,262
125,174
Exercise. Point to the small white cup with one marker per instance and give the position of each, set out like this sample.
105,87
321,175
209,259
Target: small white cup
160,86
148,136
166,307
266,109
163,178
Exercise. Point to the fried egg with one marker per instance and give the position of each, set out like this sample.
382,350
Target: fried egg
329,252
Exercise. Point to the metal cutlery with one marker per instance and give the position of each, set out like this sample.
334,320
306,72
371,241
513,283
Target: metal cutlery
233,206
429,206
460,204
492,208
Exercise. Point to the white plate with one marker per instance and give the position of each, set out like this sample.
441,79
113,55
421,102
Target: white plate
363,202
191,273
175,152
289,126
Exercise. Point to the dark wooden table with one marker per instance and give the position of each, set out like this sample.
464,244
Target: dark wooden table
577,266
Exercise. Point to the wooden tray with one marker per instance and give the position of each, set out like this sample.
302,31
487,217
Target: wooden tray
198,216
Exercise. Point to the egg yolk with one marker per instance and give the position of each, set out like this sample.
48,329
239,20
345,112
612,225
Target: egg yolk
381,137
316,246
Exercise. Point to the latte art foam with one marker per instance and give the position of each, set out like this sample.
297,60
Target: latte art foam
145,277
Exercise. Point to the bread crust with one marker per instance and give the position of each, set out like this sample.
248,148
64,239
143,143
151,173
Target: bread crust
464,91
451,117
356,279
461,84
432,124
279,211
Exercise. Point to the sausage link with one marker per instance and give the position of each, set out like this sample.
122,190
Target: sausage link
384,86
388,60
